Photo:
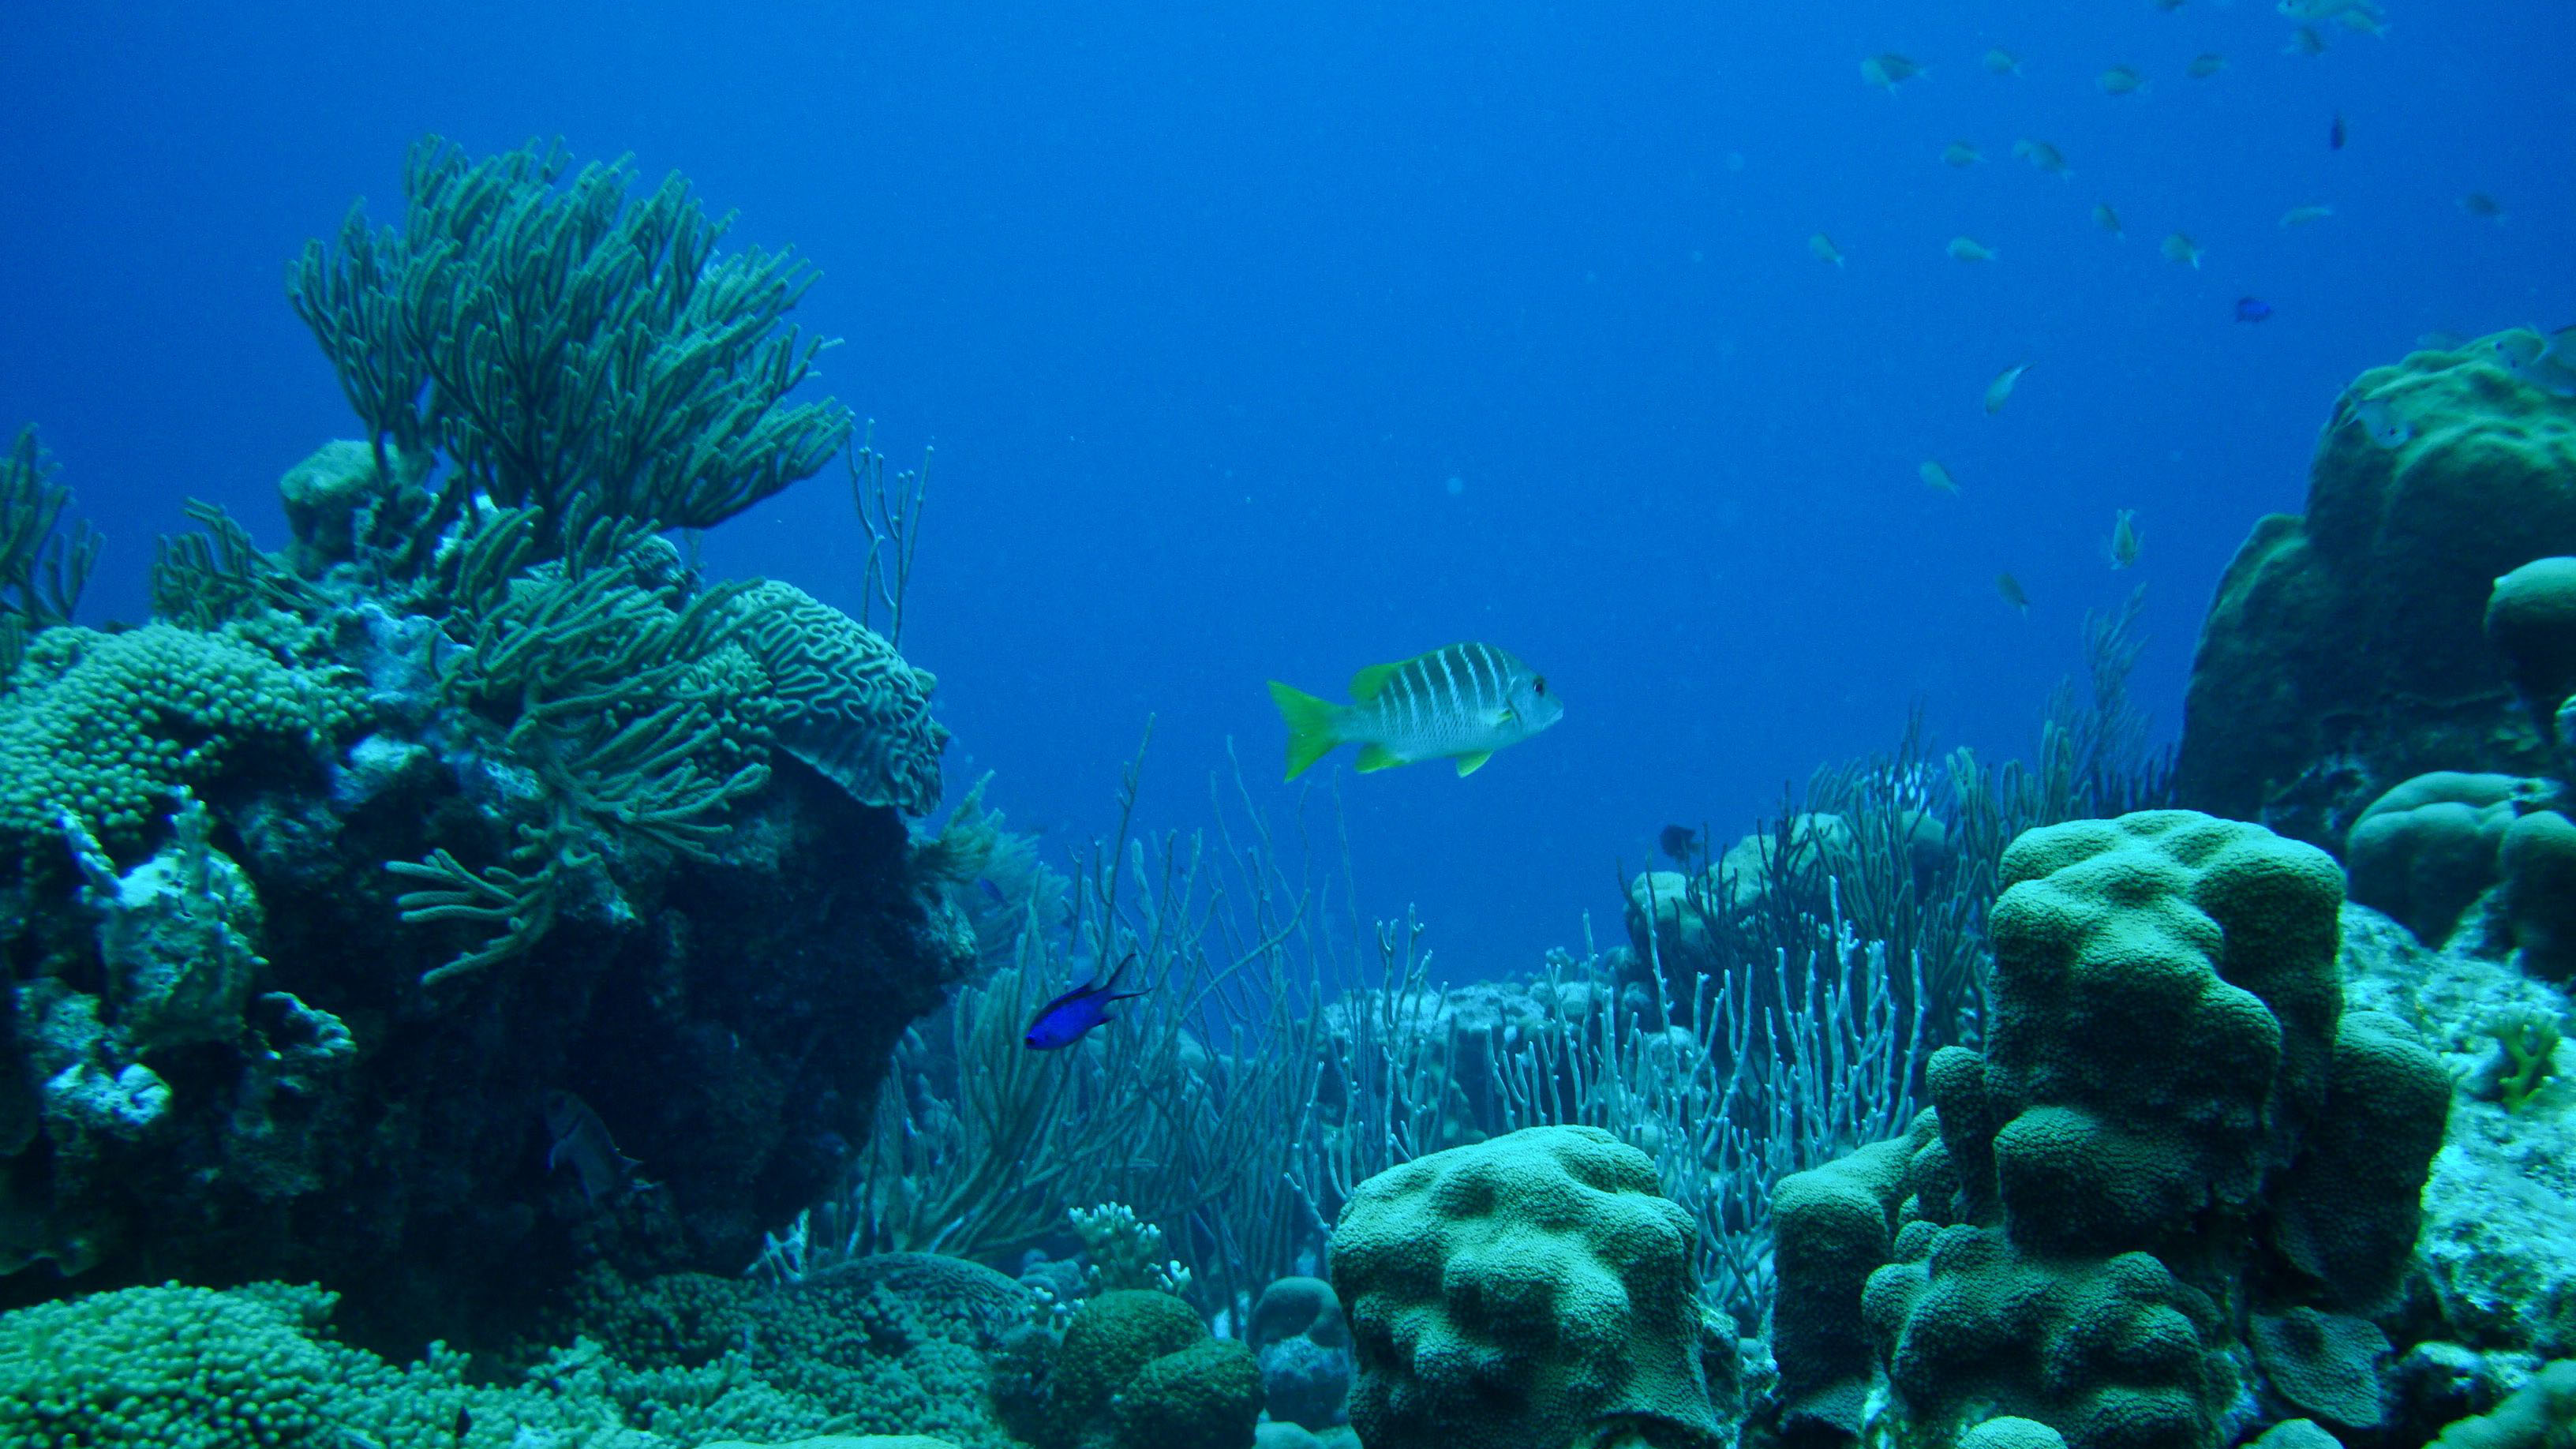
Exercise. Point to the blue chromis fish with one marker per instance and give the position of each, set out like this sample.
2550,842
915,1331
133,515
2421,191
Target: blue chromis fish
2547,363
2380,423
2042,155
1463,702
1068,1018
1888,70
575,1135
2000,391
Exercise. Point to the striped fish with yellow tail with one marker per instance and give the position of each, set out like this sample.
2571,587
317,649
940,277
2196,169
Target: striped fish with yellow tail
1463,702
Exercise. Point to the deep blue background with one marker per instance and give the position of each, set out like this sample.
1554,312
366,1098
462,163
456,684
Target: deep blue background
1205,307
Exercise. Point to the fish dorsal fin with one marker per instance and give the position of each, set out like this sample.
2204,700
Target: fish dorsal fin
1366,684
1378,757
1470,764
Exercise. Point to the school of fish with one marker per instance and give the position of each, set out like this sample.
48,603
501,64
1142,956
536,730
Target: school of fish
2544,361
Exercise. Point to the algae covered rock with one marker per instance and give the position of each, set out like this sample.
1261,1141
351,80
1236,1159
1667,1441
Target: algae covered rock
1534,1289
2344,651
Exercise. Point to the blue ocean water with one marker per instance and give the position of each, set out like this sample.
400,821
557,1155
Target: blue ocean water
1268,342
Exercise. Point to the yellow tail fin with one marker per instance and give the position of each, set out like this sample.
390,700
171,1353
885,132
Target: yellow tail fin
1314,726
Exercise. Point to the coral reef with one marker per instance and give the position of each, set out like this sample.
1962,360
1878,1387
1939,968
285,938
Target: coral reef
474,797
2342,654
1532,1289
2176,1127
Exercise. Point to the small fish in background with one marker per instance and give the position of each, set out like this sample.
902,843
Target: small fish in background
1888,70
1823,249
2121,80
2479,204
2180,250
2252,309
2010,588
2336,133
2306,40
2204,65
1068,1018
1461,702
2000,61
2000,391
2042,155
2380,422
1937,478
2124,538
2303,215
1969,249
2109,220
575,1135
2547,363
2362,15
1962,154
1679,842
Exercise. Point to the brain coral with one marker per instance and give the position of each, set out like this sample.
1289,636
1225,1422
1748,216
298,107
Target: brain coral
1533,1289
854,710
2343,652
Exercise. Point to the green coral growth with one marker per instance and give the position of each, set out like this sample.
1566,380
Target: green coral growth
111,726
568,347
2525,1062
255,1368
624,696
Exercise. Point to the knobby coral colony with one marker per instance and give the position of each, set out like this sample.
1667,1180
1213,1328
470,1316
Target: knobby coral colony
1998,1104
